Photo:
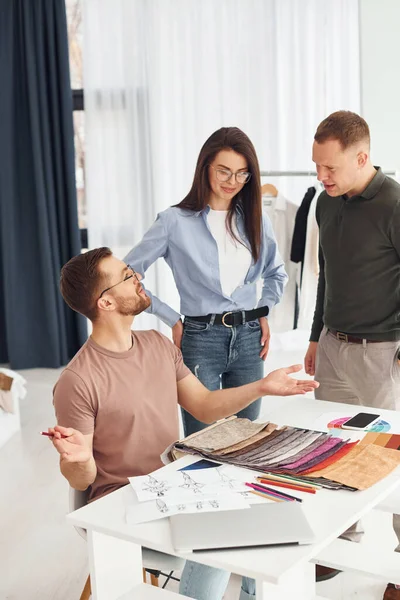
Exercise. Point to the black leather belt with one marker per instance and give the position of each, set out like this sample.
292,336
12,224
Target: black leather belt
233,319
345,337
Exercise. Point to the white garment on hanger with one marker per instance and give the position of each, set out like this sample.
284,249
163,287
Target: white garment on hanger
309,280
282,213
234,257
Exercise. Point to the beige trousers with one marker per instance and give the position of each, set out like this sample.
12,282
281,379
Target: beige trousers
364,374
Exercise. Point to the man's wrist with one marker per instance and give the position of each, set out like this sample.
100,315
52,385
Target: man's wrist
262,387
84,464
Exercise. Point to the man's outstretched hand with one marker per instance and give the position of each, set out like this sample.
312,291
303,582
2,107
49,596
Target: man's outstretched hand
279,383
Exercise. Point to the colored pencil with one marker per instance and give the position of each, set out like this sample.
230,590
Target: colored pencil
290,479
289,486
261,488
51,434
277,493
267,496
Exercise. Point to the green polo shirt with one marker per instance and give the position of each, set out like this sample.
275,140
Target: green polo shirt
359,280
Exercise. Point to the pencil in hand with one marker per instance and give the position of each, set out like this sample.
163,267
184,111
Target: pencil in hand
52,434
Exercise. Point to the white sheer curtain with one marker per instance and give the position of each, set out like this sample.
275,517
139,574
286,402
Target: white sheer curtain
162,75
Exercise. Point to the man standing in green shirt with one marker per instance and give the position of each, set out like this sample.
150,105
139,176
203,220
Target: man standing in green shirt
355,336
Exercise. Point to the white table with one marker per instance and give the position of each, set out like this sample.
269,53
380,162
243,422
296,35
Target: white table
281,572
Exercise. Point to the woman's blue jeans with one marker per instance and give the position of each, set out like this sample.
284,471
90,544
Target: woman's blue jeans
220,357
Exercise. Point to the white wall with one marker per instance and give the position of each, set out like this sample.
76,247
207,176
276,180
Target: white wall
380,78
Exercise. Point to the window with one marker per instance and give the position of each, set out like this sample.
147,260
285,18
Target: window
74,24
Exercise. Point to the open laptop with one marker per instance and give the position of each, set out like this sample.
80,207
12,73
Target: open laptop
260,525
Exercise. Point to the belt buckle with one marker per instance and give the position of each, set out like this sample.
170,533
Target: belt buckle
342,337
223,319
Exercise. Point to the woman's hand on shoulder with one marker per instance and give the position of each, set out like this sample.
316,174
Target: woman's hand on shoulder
177,333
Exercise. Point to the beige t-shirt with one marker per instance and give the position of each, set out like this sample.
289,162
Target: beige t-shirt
128,400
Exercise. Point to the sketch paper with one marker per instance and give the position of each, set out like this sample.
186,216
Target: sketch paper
158,509
177,486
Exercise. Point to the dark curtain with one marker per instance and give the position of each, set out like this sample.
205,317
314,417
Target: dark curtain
38,207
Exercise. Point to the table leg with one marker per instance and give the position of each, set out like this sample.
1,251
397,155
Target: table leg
115,565
299,584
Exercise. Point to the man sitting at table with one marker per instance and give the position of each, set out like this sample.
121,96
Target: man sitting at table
116,401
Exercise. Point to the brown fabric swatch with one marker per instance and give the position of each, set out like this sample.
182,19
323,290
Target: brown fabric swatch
196,434
388,440
381,440
362,467
369,438
250,441
255,445
224,434
394,442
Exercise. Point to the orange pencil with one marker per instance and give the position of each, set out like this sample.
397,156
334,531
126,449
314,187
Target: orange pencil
267,496
289,486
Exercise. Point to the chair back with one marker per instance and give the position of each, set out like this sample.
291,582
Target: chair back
77,499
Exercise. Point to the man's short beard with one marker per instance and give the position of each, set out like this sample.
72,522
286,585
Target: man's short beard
132,308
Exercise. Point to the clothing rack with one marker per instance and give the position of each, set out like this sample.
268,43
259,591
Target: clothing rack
288,173
306,173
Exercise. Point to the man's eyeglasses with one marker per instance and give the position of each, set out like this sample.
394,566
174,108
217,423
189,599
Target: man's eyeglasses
224,175
128,276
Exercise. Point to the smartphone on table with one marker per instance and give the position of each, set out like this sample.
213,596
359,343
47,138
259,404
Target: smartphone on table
361,421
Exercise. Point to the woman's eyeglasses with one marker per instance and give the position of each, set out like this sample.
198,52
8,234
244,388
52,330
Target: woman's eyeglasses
224,175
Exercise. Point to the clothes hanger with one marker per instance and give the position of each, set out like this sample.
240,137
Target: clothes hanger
269,189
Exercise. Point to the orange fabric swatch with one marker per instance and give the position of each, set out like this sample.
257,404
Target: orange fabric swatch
332,459
362,467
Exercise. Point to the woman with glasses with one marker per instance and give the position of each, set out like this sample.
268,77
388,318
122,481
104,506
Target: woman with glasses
218,245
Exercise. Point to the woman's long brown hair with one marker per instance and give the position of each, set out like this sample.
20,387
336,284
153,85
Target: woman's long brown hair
249,198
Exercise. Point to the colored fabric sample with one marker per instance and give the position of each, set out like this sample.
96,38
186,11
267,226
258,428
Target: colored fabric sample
331,459
272,442
369,438
320,458
394,442
388,440
313,446
256,444
363,466
224,434
312,456
280,444
289,444
381,440
249,441
330,444
291,450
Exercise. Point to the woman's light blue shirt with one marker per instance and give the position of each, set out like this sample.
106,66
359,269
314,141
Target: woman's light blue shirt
183,238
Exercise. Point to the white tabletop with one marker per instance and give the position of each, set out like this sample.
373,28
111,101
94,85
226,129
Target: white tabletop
329,512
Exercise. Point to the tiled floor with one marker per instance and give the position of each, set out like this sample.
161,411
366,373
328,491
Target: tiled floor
42,558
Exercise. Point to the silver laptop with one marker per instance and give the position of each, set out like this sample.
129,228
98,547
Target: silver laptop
260,525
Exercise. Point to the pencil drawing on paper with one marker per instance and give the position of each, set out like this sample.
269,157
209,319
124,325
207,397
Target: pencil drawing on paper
161,505
154,485
191,484
226,480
